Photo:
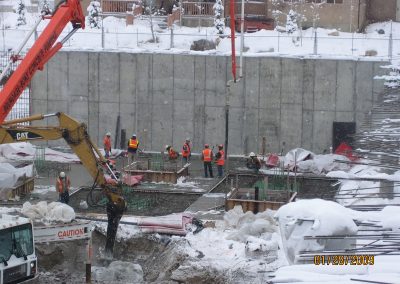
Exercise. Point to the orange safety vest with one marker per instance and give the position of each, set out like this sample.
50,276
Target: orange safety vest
207,155
172,154
186,150
133,143
107,143
63,186
221,160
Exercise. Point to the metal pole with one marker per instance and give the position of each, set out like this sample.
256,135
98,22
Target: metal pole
171,45
89,260
241,41
315,42
390,51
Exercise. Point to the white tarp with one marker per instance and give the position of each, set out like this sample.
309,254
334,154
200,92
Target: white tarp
48,212
9,176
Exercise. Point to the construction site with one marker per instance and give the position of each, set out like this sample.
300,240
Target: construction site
144,167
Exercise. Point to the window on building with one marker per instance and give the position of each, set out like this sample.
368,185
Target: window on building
335,1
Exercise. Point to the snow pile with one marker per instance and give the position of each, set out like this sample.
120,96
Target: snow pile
182,182
118,272
364,172
52,212
247,224
306,161
313,218
390,218
44,189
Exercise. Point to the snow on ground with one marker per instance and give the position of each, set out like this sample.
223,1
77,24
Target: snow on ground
137,37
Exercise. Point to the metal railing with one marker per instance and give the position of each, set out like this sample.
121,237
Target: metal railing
198,9
117,6
21,107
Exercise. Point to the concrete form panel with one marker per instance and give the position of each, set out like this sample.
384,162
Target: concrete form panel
200,72
109,77
107,119
164,97
38,107
162,126
250,130
79,109
270,82
215,125
325,85
78,81
93,77
144,130
322,134
128,117
58,77
308,84
292,81
307,130
144,72
163,72
344,116
211,73
269,127
221,76
183,121
127,78
252,82
235,130
39,85
364,91
199,128
291,126
345,86
183,77
93,121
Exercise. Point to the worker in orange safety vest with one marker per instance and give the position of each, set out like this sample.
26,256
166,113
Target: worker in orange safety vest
220,160
207,157
107,145
172,154
62,185
133,145
186,151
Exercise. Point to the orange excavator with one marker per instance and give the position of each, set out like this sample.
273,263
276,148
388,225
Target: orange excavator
73,132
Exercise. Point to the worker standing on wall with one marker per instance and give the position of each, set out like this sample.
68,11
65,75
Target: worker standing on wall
186,151
172,154
63,183
220,160
133,145
107,145
207,156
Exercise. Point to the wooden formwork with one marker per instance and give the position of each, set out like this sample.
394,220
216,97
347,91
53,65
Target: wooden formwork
22,188
160,176
246,198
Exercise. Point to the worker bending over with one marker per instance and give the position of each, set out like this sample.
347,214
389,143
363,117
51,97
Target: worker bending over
63,183
172,154
253,162
186,151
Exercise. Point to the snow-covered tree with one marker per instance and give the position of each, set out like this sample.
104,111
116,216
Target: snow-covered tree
45,8
291,22
94,18
219,22
20,9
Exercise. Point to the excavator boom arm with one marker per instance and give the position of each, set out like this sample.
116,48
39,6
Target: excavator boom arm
41,51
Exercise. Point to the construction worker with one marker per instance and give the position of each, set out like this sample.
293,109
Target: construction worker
107,145
133,145
172,154
62,185
220,160
253,162
207,157
186,151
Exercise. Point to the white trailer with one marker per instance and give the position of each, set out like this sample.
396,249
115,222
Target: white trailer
18,261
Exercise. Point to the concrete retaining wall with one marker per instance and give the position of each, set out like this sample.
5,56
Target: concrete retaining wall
165,98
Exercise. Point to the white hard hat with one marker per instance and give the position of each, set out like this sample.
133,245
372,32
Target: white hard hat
252,154
166,147
134,134
108,134
62,175
187,139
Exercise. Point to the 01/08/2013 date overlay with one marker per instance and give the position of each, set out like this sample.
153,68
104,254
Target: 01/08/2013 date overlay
344,259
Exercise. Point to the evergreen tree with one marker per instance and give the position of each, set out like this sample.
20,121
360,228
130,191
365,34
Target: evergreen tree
94,18
219,22
291,22
20,9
